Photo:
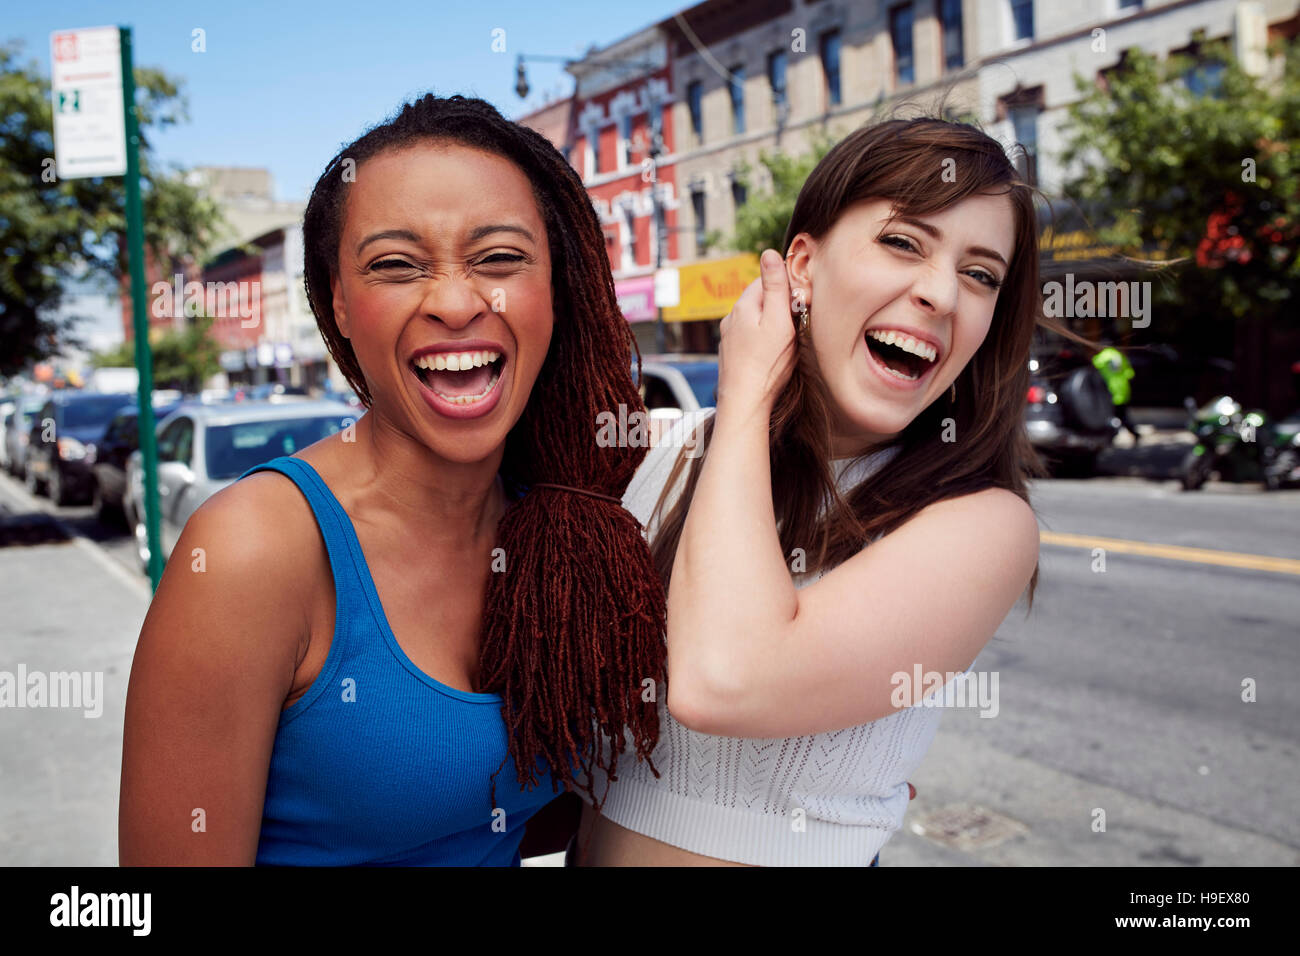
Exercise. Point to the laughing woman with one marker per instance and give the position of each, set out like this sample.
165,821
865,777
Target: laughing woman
396,629
871,392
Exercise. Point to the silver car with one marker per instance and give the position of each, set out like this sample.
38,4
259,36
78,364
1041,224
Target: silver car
203,448
17,424
677,383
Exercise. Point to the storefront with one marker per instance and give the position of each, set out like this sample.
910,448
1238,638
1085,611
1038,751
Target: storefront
708,290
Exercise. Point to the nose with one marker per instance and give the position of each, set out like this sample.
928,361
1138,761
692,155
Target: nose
453,300
935,289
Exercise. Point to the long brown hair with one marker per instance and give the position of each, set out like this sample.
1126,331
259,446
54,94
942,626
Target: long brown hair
903,161
576,622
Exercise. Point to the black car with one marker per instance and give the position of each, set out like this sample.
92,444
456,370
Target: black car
108,492
1069,414
63,442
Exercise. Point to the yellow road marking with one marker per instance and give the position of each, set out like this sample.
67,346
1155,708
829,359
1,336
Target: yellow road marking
1175,552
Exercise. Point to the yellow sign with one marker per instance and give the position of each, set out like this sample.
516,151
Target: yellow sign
710,289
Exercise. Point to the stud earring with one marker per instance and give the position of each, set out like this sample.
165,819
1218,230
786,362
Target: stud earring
801,307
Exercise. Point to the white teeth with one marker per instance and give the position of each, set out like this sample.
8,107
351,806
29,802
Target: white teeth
456,361
461,361
907,343
471,399
897,374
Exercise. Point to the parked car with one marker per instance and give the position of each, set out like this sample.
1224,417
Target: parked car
347,396
1069,416
673,384
17,425
7,407
62,442
277,392
122,437
203,448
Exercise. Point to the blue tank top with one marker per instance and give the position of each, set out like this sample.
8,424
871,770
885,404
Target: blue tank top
379,764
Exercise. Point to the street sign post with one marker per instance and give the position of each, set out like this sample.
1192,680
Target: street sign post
97,133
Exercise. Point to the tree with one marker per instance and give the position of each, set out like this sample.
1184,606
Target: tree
762,220
52,231
1201,159
182,358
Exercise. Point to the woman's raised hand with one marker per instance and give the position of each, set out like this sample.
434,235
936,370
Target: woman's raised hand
756,354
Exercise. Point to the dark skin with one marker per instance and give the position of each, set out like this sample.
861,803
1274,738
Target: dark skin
223,651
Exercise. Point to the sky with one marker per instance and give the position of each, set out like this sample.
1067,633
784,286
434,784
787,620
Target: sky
282,84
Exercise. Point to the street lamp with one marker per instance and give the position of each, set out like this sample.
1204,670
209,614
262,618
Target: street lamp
521,78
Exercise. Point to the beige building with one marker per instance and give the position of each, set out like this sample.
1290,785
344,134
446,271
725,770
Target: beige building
777,76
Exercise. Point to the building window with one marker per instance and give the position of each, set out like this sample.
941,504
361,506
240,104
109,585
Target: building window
830,50
1024,119
593,150
776,77
900,31
950,20
1204,79
625,138
1130,4
629,238
694,99
1022,19
1205,75
738,192
697,206
737,87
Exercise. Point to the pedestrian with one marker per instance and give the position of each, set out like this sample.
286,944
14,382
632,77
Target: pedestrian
388,648
871,389
1117,371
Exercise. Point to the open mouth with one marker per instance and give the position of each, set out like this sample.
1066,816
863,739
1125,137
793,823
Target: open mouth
461,378
900,355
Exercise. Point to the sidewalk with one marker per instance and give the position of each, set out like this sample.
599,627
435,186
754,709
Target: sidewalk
67,608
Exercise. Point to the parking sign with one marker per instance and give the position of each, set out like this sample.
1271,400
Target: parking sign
86,89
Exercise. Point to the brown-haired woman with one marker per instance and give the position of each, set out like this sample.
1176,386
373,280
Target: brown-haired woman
385,658
871,390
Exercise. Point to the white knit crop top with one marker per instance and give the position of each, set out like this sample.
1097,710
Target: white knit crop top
828,799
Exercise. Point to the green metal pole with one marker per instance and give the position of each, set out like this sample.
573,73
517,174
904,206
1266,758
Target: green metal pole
140,322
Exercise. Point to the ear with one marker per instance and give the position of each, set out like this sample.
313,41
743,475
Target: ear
340,309
799,264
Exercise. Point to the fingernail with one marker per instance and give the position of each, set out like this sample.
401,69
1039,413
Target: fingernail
768,259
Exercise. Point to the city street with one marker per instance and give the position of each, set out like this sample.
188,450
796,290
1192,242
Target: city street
1121,692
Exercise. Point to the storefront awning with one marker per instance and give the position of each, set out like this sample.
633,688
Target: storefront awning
710,289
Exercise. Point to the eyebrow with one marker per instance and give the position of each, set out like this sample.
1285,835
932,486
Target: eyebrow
475,235
935,233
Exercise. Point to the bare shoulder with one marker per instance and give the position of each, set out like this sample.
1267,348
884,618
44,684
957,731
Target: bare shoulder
993,517
214,663
253,550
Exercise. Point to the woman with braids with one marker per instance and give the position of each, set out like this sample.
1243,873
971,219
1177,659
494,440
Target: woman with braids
403,631
871,392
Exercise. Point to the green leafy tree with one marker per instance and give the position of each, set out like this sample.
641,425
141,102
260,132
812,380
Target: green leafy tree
182,358
1201,160
762,220
52,231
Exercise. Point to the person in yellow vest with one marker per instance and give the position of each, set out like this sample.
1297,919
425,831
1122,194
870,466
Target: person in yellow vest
1116,370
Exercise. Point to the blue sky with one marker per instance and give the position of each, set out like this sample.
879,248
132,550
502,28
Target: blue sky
284,83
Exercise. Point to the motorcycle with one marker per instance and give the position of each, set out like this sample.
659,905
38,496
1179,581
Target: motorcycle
1240,445
1282,454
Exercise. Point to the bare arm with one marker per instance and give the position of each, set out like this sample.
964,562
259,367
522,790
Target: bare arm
214,664
748,654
